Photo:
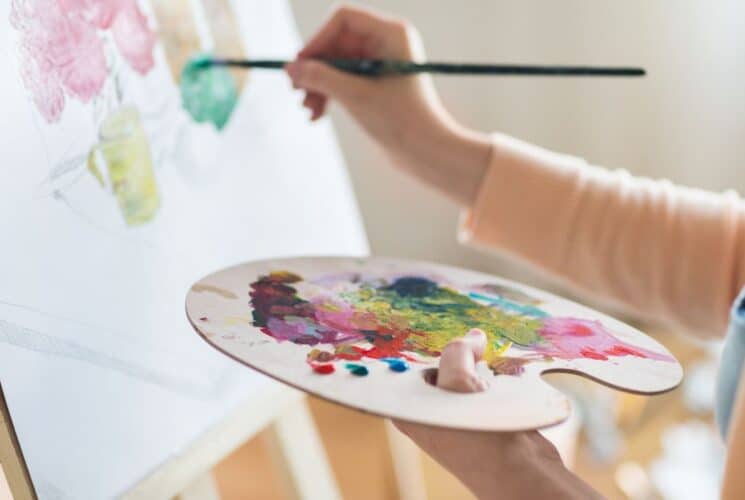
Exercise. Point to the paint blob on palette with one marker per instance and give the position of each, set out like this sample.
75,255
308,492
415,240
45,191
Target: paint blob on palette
365,332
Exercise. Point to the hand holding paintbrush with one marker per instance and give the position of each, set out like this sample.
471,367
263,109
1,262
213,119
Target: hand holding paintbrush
404,115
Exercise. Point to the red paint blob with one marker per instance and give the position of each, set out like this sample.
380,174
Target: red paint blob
581,331
590,353
326,369
622,350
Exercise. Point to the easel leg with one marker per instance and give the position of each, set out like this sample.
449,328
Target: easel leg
204,488
407,465
299,455
11,457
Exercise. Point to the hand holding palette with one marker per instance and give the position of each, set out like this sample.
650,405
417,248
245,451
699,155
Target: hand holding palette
364,332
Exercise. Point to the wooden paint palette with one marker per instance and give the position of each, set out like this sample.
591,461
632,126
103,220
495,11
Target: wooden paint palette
367,320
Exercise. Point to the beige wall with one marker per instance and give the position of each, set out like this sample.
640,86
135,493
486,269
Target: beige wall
685,121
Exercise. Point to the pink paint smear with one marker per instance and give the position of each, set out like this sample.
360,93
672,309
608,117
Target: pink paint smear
570,338
62,47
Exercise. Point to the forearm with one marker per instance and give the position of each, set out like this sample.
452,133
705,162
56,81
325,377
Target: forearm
449,158
555,482
667,252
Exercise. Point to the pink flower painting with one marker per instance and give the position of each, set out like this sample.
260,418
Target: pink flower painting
62,47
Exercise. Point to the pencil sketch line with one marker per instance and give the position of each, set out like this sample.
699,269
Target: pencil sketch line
33,340
111,332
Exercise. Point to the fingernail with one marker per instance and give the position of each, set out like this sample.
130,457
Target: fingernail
475,332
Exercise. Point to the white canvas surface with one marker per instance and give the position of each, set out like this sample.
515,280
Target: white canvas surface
104,377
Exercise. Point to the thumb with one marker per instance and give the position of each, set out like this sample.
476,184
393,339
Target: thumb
457,370
317,76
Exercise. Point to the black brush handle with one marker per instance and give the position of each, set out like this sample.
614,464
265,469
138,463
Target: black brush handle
247,63
383,67
515,69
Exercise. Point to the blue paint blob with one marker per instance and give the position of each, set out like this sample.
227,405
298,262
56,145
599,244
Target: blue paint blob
411,286
509,305
358,370
396,365
399,367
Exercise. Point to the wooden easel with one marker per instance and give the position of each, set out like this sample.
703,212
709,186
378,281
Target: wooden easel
296,450
298,453
11,457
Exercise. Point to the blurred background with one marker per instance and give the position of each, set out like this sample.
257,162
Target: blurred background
684,121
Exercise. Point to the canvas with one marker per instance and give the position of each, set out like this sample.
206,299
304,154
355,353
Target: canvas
365,333
114,201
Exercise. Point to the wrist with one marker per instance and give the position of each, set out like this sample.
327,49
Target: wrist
449,157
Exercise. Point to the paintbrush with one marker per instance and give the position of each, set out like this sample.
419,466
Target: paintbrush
387,67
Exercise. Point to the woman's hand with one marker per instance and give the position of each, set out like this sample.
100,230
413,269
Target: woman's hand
495,465
402,113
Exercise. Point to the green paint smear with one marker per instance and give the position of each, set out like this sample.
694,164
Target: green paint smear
445,315
208,93
358,370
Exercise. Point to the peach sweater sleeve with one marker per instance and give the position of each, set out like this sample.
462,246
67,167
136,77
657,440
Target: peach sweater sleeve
667,252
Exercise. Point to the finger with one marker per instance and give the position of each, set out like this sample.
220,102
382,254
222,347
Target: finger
307,100
316,103
319,107
350,45
307,105
319,77
325,37
457,371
